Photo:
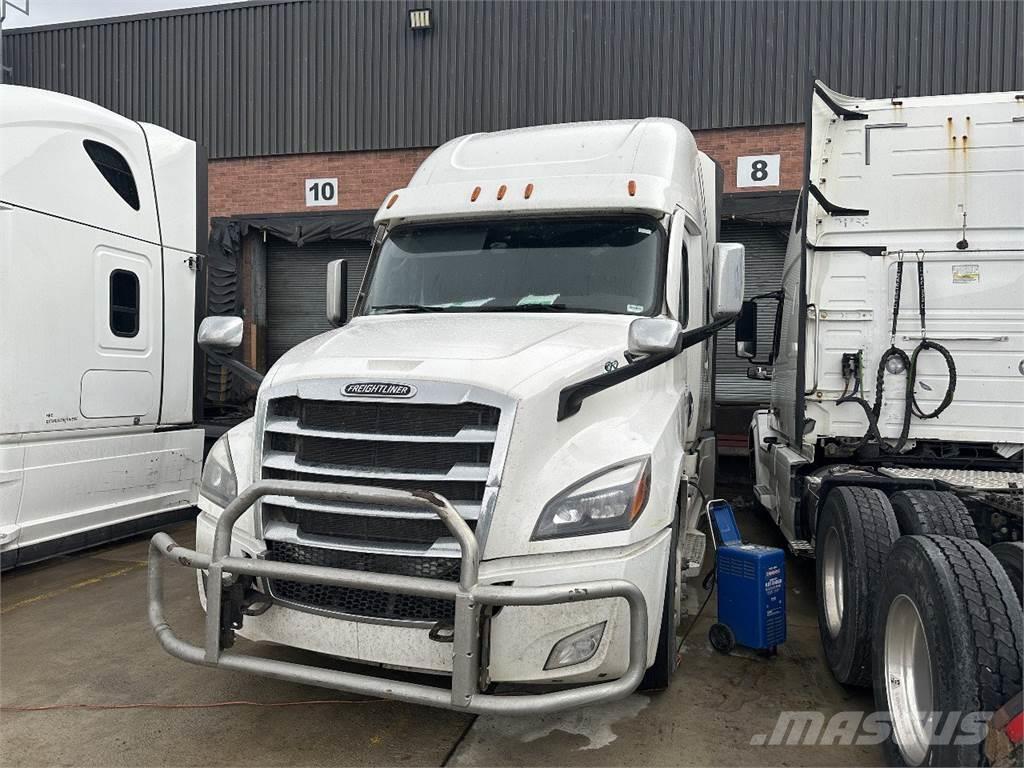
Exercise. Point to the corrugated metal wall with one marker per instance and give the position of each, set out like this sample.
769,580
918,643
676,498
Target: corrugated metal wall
765,254
297,289
272,78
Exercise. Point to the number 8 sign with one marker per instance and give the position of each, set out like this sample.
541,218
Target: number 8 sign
757,171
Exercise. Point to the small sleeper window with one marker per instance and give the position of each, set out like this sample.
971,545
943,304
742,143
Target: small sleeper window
124,303
115,170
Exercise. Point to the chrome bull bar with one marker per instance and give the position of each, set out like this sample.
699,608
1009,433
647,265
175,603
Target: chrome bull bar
468,595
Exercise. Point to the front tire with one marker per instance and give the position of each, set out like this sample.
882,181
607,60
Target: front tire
947,644
856,529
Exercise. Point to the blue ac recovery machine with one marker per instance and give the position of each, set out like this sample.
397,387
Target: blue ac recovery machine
751,587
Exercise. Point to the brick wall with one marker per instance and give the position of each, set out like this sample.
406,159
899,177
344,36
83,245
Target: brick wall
275,184
727,144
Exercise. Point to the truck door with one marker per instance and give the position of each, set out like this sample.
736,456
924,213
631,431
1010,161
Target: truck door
688,243
121,379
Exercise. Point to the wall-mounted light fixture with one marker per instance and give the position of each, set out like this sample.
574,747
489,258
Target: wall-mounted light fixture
419,18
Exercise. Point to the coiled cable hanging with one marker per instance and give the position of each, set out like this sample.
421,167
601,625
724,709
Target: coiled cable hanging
908,364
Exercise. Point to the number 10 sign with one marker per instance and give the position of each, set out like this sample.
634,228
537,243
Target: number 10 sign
321,192
757,171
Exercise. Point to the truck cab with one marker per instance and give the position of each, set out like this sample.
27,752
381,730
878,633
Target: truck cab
493,469
102,220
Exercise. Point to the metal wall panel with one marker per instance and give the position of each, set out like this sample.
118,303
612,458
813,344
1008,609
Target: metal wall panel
297,289
765,254
269,78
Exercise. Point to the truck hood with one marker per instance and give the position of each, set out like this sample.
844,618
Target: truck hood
508,352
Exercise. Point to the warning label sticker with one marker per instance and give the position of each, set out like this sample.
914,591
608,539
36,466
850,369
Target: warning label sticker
966,273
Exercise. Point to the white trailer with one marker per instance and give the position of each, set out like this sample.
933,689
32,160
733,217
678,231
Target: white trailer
892,449
101,219
529,360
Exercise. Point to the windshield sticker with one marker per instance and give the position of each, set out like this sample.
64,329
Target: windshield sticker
467,303
537,300
635,308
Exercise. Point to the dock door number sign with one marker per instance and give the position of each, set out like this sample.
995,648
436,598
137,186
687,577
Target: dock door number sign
757,171
321,192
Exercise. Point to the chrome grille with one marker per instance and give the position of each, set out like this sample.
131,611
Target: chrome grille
446,449
363,527
390,418
459,493
373,454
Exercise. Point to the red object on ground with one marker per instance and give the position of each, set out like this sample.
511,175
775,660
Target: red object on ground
1014,729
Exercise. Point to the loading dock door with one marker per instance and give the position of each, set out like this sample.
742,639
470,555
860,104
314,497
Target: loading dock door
765,254
297,288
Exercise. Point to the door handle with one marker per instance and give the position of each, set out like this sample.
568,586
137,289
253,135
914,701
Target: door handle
955,337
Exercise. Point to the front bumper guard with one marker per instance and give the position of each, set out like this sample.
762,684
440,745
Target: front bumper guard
468,594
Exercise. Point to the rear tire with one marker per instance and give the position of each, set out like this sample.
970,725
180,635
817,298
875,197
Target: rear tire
921,512
1010,555
947,639
856,529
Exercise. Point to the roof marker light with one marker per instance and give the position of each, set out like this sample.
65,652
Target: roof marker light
501,191
475,195
631,187
528,191
392,201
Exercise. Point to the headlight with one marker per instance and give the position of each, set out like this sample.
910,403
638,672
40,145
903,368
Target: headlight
219,482
611,500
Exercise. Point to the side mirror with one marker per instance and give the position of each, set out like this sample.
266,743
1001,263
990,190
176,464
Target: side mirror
337,292
746,330
220,333
727,280
651,335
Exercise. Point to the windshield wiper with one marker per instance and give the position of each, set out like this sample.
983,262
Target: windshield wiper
405,308
525,308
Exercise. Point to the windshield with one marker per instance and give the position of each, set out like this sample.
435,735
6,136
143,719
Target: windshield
610,265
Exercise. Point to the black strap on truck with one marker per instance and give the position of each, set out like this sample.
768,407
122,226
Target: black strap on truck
909,365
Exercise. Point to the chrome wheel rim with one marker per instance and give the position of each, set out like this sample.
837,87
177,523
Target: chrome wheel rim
832,582
908,680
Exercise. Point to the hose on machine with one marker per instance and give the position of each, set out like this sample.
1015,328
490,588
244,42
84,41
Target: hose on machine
908,365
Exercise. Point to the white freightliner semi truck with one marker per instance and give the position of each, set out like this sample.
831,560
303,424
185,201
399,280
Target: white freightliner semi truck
494,470
892,449
101,222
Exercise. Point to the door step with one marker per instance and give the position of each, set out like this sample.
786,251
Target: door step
764,495
801,548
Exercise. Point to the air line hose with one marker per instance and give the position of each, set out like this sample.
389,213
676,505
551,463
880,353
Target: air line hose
909,366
